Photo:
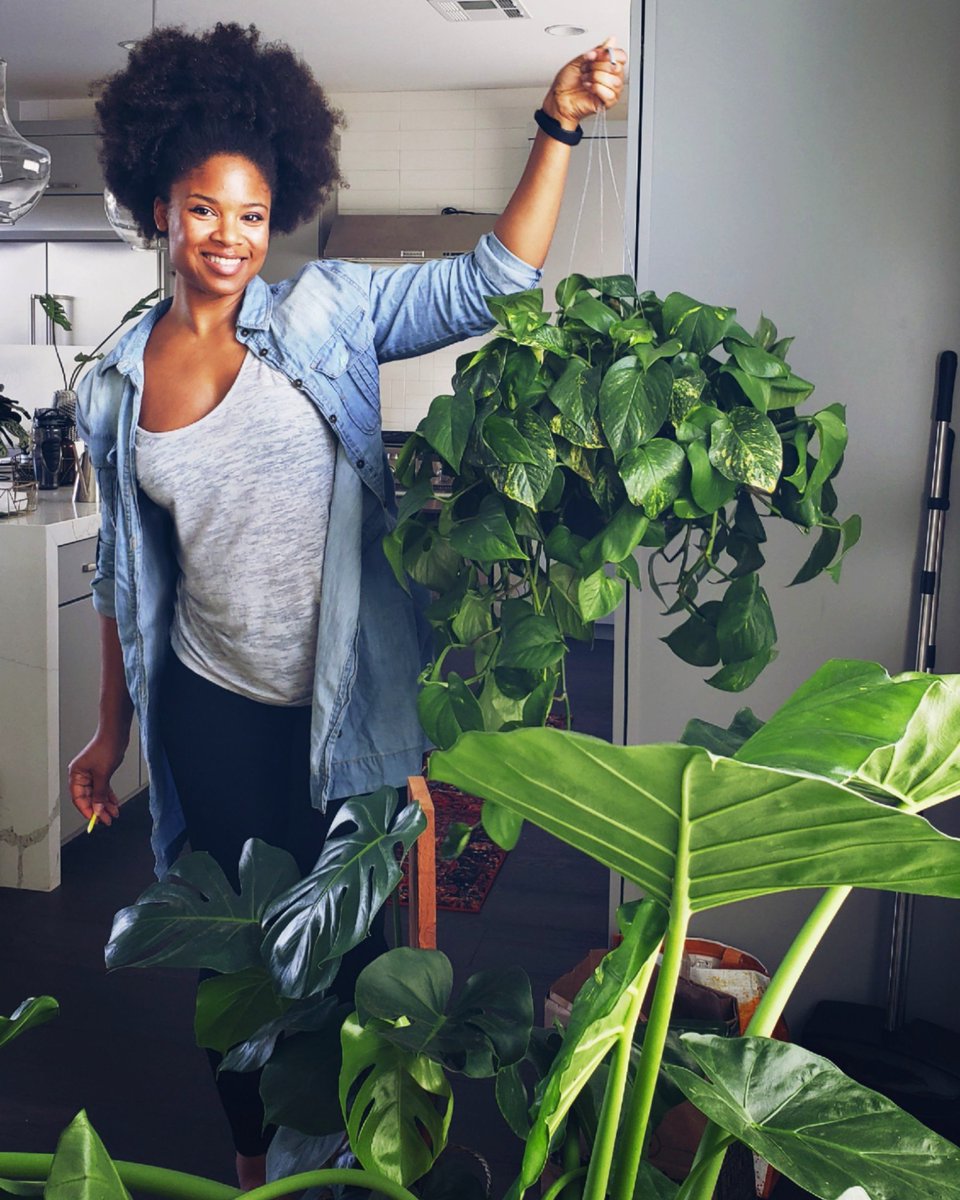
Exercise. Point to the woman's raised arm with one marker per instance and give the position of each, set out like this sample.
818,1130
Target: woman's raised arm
584,86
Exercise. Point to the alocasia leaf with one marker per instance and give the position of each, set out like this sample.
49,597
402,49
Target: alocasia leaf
815,1124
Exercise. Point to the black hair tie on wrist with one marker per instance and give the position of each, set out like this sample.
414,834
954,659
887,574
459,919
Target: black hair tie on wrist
552,127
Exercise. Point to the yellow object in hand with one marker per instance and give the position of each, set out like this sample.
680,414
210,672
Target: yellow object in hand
91,823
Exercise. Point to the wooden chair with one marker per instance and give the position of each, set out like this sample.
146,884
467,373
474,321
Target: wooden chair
422,864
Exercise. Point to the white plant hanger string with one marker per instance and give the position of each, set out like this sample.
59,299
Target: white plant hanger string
600,139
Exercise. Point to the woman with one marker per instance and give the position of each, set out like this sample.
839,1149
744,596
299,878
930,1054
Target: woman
248,613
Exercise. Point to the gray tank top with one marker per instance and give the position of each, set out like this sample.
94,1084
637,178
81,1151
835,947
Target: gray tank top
248,487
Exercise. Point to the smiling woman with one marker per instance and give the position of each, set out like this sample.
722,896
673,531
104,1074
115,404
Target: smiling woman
270,654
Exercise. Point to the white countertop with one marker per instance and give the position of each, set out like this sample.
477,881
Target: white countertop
56,519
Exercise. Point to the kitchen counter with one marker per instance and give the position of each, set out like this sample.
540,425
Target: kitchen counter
36,550
56,513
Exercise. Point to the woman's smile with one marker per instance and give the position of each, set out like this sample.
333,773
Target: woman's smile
218,223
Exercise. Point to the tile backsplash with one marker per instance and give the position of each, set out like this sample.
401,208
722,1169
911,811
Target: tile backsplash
421,152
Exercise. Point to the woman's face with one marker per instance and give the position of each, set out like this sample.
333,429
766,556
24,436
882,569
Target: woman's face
218,223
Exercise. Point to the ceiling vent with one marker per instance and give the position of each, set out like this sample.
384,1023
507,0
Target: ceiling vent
480,10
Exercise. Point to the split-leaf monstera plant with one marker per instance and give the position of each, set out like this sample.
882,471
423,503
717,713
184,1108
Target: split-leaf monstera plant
626,422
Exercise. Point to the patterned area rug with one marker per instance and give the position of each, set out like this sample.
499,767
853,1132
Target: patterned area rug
462,883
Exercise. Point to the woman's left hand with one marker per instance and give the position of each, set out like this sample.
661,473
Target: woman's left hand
587,84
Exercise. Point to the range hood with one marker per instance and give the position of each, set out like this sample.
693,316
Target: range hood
405,237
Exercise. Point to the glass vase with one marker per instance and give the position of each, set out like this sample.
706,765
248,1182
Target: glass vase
24,167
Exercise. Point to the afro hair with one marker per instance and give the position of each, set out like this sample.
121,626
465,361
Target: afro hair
183,97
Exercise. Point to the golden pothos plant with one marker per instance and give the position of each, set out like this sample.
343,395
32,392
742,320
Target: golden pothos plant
623,421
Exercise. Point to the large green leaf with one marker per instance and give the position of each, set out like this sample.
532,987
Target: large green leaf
576,392
654,474
745,625
596,1022
520,312
634,403
527,481
816,1125
36,1010
592,312
447,426
329,911
695,640
699,326
231,1008
832,430
711,490
299,1083
398,1107
719,740
619,538
722,830
81,1168
193,918
505,440
598,595
745,447
407,993
488,536
302,1016
756,361
532,642
897,736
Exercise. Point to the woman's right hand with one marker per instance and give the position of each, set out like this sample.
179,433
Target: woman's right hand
90,773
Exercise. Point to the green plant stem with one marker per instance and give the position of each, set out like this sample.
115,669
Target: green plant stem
554,1190
795,961
156,1181
566,694
571,1158
720,1143
378,1184
601,1158
641,1100
713,1145
56,350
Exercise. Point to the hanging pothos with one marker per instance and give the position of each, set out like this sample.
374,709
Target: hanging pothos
573,442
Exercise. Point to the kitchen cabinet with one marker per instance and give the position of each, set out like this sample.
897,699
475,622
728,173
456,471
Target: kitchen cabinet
23,268
96,282
49,675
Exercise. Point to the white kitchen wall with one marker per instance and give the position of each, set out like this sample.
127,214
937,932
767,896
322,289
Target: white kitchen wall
804,160
424,151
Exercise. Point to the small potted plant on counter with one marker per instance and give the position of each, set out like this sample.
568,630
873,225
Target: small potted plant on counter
65,398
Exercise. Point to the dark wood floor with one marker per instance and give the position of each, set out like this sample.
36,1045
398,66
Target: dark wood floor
122,1047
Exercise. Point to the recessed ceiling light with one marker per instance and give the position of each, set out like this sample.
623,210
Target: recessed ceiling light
564,30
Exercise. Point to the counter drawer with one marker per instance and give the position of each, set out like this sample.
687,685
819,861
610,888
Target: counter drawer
77,563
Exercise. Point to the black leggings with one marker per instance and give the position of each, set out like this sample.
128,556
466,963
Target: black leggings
242,770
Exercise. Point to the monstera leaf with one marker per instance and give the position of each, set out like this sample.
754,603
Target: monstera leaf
407,992
398,1106
696,830
194,918
813,1123
329,911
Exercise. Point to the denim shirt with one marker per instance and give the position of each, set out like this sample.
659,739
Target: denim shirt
326,330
